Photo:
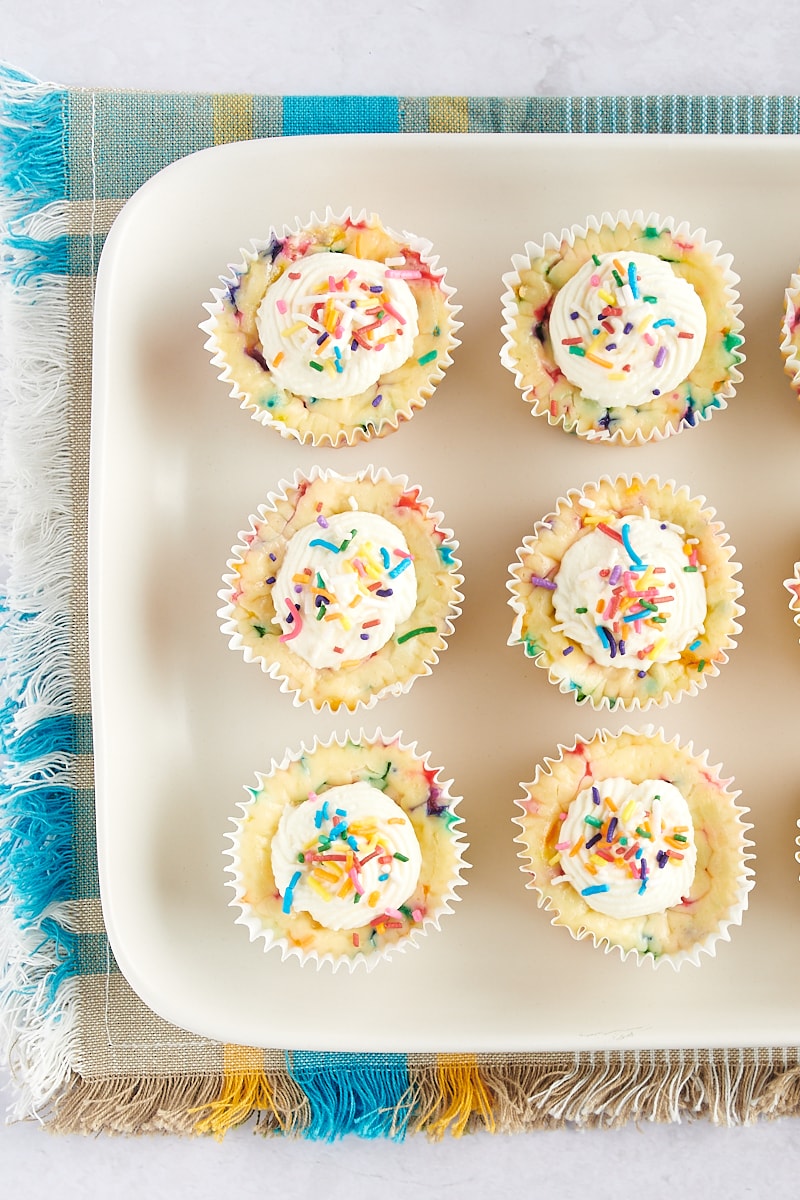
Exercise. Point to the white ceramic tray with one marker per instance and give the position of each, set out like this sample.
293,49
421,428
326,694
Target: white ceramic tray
181,723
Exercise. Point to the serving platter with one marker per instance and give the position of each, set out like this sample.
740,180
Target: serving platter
182,724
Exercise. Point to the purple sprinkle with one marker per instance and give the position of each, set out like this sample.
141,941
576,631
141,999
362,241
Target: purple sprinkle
289,618
614,577
656,391
274,559
298,587
319,601
595,796
271,579
568,650
621,645
352,303
641,674
612,828
321,521
549,584
628,327
644,868
365,637
593,841
664,525
376,401
611,346
574,316
354,344
658,361
376,287
662,858
384,592
323,337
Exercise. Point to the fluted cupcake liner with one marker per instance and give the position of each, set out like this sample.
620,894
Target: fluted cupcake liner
546,266
401,773
233,339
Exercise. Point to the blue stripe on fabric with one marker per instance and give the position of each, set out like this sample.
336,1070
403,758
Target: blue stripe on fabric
363,1094
340,114
33,169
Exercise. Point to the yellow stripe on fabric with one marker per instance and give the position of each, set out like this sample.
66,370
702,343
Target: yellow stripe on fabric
463,1093
245,1089
448,114
233,118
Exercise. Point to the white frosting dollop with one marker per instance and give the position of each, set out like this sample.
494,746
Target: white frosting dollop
350,838
331,325
622,345
644,858
344,586
632,596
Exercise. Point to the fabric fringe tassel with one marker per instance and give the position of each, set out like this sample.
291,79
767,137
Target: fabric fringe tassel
246,1088
363,1094
37,996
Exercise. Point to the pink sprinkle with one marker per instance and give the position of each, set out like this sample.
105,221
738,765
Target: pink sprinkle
417,914
651,341
595,281
563,845
562,816
281,306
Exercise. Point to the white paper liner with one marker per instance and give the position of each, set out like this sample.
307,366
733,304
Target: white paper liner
379,424
550,242
558,669
789,351
792,586
396,687
549,902
364,957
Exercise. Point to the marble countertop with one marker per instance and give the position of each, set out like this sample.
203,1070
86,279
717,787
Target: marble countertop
509,47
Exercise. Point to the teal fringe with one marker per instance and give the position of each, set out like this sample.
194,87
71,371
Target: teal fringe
36,805
362,1094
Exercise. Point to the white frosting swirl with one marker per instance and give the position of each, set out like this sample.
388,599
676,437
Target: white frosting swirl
344,586
331,325
644,858
624,345
349,837
630,605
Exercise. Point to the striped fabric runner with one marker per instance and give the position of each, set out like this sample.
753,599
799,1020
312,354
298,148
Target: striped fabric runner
86,1053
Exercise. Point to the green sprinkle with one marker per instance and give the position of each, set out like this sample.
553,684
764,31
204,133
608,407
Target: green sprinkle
429,357
650,231
321,612
701,664
320,581
437,331
595,260
690,568
617,278
598,824
678,837
404,858
415,632
732,340
581,610
623,841
579,350
317,366
650,299
260,630
643,833
301,858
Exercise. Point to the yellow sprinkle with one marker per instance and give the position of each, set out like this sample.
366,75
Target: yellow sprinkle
373,898
346,887
659,646
600,362
627,811
318,888
643,325
616,375
609,299
551,862
293,329
356,600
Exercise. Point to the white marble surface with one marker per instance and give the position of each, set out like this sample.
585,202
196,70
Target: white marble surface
420,47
